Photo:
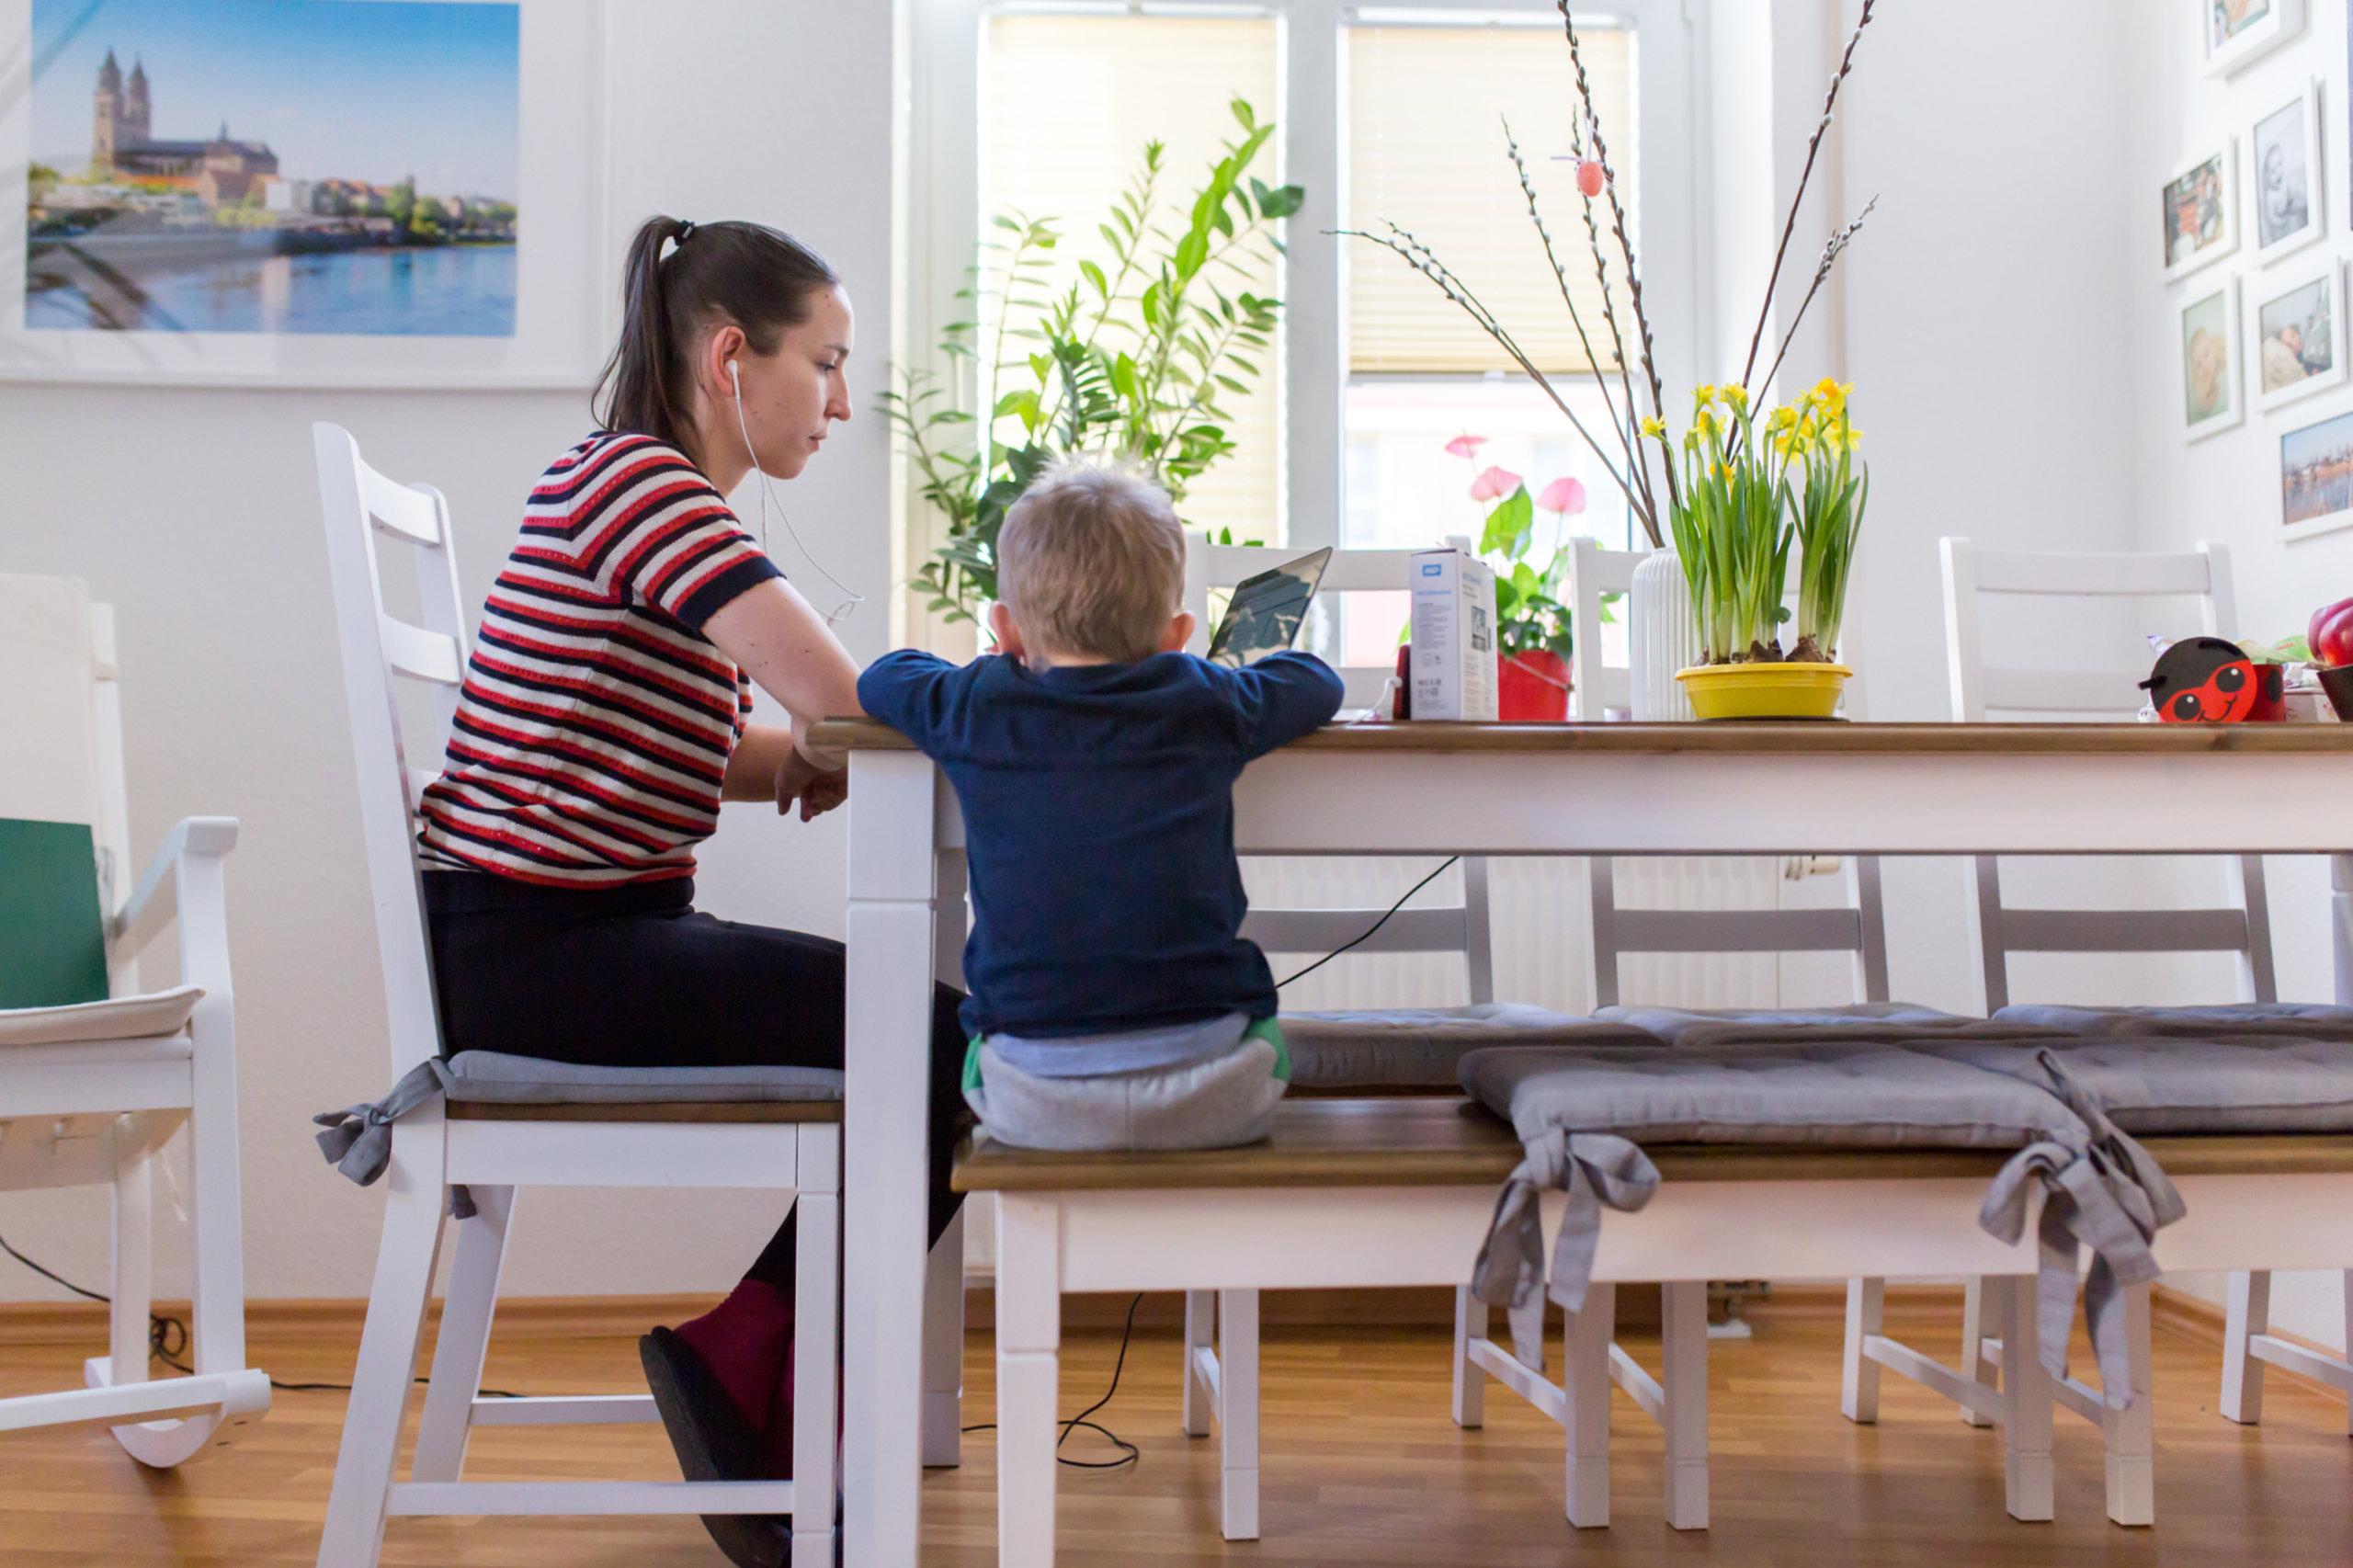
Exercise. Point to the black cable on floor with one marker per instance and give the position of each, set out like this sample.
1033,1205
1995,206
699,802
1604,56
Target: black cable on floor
1128,1453
167,1336
1376,925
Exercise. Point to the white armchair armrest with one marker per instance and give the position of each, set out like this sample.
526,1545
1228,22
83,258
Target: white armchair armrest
155,900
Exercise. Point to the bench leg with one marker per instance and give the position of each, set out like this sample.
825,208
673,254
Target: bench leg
2131,1433
1585,1380
1470,1380
1200,1340
464,1336
2027,1473
1979,1322
1237,1401
1684,1390
1857,1374
943,1351
816,1335
1028,1375
2248,1315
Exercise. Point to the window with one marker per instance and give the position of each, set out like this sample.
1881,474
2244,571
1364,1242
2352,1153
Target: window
1067,103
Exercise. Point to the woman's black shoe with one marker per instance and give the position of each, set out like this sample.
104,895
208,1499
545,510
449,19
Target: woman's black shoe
713,1443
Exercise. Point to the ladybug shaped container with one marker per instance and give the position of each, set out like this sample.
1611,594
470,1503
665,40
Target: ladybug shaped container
2205,680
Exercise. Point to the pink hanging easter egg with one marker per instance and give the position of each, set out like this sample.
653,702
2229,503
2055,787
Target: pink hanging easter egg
1591,178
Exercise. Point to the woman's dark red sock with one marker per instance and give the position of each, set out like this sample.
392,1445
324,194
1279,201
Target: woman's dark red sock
745,1340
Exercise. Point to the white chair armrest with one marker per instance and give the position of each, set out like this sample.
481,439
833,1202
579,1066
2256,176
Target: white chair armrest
155,900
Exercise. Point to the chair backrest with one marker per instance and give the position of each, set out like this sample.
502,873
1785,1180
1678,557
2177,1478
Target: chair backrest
2243,926
1599,689
1859,928
380,650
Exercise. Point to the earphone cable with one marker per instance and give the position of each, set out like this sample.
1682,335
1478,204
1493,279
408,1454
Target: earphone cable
854,599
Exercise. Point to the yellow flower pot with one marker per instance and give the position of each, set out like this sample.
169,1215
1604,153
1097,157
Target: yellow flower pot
1764,691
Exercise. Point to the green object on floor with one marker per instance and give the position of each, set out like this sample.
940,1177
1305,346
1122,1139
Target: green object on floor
52,934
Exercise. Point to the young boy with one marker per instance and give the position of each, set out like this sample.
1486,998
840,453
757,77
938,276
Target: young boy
1114,1004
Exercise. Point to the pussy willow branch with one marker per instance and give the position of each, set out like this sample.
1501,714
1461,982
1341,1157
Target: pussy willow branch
1422,259
1623,428
1625,245
1813,147
1830,254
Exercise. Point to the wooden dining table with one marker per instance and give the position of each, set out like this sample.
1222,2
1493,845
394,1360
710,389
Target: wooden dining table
1498,789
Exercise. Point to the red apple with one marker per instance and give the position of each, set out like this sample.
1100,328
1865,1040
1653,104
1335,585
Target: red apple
2331,635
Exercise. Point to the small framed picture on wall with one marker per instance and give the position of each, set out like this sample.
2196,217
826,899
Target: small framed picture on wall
2285,166
2211,396
2233,32
2299,335
2317,477
2201,211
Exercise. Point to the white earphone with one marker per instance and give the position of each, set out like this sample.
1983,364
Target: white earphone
853,599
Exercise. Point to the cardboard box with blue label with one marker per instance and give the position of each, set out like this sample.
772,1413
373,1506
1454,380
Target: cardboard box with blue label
1453,636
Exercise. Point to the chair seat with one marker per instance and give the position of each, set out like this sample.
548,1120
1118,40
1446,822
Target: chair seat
154,1014
495,1078
1420,1047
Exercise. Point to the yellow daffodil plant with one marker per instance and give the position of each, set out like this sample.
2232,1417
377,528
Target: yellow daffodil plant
1826,490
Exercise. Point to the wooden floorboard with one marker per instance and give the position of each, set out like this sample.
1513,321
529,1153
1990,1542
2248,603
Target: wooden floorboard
1361,1467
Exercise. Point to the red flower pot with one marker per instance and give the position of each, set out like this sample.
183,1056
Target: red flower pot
1534,688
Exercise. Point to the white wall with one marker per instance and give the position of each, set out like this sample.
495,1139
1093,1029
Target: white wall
2225,488
197,514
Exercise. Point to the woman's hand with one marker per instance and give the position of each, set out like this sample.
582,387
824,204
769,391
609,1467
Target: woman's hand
819,790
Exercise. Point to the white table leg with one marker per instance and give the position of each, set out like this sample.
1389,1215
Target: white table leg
1585,1379
1469,1379
2131,1433
1237,1402
1028,1377
885,1163
1857,1374
1683,1383
2026,1435
2247,1313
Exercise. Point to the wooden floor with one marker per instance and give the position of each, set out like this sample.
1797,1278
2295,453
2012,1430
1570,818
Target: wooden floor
1361,1467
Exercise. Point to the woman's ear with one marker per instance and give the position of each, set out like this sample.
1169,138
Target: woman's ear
725,343
1180,632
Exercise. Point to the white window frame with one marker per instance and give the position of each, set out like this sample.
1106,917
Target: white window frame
945,39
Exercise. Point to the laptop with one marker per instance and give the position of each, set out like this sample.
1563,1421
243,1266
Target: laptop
1267,611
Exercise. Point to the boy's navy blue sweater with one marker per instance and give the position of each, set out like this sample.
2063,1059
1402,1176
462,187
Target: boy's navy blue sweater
1098,812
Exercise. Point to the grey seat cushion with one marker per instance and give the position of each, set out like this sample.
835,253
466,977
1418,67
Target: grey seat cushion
493,1078
1882,1022
2303,1020
1423,1048
2232,1083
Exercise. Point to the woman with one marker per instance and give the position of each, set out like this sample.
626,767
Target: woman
602,722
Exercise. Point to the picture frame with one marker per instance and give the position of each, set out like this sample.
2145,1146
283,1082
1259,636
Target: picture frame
2298,329
2233,33
2284,171
2200,210
2317,477
305,247
2213,393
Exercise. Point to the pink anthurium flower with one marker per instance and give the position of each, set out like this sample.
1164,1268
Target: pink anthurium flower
1493,485
1465,446
1563,495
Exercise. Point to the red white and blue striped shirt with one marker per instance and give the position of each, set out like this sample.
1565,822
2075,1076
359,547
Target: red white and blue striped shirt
596,720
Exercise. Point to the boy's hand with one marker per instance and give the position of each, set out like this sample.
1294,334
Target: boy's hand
817,790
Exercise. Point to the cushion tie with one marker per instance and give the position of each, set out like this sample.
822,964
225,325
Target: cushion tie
1595,1169
358,1139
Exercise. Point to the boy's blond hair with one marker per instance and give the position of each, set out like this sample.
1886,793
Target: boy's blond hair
1091,561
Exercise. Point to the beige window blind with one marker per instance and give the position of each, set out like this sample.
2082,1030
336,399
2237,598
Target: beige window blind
1068,103
1426,151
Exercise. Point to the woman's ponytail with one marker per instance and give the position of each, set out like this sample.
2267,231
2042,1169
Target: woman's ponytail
746,275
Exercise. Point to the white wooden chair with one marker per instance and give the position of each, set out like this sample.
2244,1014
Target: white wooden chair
2242,927
1600,689
90,1093
491,1149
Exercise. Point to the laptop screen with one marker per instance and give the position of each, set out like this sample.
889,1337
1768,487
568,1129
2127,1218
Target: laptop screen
1267,611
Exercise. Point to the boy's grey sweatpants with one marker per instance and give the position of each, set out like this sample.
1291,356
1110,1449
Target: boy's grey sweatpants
1210,1104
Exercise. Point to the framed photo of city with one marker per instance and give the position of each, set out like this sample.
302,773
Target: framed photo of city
361,193
2317,477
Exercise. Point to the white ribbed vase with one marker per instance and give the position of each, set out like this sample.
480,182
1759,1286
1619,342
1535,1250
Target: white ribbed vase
1663,636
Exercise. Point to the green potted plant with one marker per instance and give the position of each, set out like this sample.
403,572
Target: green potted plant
1132,361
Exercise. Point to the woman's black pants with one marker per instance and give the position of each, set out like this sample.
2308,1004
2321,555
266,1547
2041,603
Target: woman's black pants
633,977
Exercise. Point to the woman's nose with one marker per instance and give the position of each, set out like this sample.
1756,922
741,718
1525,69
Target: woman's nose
837,404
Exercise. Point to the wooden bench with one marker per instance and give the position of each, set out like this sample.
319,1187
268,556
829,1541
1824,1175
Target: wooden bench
1399,1192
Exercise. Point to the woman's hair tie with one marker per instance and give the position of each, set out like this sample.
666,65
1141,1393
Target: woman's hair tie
686,229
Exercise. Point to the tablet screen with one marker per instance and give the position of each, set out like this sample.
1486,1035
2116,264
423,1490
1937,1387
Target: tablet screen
1267,611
